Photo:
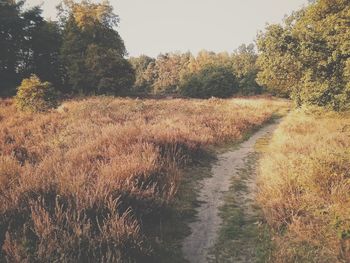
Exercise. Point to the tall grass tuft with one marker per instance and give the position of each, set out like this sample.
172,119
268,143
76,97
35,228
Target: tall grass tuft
76,182
305,187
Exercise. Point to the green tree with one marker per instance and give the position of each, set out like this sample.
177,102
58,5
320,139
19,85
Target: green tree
144,73
28,45
307,57
280,70
41,47
211,81
109,72
92,50
323,32
245,69
11,36
169,69
207,58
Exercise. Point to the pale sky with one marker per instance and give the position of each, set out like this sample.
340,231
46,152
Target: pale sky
157,26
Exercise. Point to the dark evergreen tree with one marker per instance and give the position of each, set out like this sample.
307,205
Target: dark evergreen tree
11,37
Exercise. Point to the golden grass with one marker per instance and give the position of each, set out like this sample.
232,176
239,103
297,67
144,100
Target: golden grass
305,187
76,181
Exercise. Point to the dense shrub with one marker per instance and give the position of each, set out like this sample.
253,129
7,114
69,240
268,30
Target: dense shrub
209,82
36,96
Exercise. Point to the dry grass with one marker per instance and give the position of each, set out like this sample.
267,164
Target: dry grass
75,182
305,187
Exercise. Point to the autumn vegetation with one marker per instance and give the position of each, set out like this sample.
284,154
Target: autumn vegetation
304,176
82,164
77,181
82,53
305,187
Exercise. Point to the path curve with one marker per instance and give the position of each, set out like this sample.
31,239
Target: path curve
204,231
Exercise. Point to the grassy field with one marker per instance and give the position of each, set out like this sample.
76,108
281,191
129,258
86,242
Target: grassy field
77,182
305,187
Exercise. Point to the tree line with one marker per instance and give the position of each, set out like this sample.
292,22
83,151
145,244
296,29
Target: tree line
83,53
80,53
305,58
205,75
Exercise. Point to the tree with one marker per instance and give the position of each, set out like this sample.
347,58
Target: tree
109,73
11,26
89,36
169,70
28,45
280,70
323,32
144,73
207,58
41,47
211,81
245,69
307,57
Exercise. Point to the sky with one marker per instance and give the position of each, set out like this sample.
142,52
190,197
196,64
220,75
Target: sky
151,27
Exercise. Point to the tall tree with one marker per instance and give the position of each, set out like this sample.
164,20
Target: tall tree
245,69
41,47
92,50
169,70
144,73
11,35
308,57
280,69
323,32
28,45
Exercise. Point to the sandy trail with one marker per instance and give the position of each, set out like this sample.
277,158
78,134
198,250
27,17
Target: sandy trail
204,231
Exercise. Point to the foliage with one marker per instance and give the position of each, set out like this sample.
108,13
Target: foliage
109,73
10,40
207,58
28,45
308,56
40,53
144,73
169,69
35,96
209,82
279,68
77,182
323,32
92,50
83,53
245,69
304,187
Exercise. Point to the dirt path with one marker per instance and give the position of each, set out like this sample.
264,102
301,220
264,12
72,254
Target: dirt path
205,230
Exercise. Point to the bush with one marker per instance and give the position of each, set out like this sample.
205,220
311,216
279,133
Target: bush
209,82
35,96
